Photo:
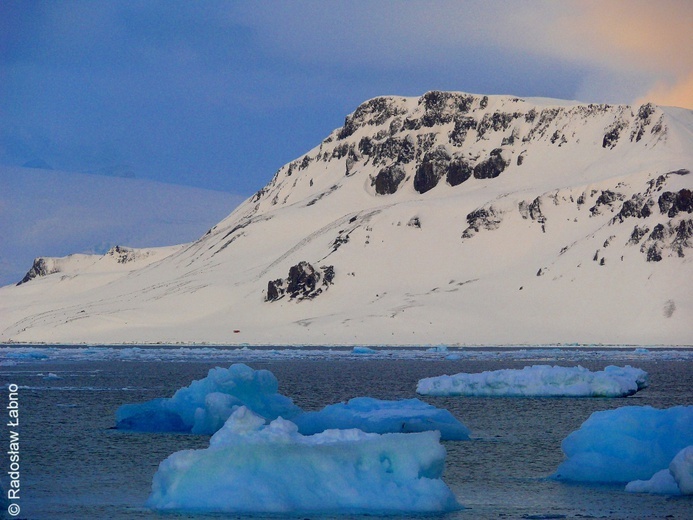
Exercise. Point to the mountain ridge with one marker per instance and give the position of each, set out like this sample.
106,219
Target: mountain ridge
428,220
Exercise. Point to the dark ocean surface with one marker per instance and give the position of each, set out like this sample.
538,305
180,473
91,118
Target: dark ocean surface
75,466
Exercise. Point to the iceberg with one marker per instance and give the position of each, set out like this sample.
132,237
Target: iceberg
380,416
539,381
677,479
205,405
253,467
627,444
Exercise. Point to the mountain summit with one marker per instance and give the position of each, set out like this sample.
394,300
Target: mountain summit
450,218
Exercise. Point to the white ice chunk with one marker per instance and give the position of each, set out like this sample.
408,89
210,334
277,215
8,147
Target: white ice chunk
682,470
204,406
380,416
626,444
251,467
677,479
539,380
661,483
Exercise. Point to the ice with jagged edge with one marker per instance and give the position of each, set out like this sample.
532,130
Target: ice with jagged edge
677,479
380,416
204,406
252,467
539,381
626,444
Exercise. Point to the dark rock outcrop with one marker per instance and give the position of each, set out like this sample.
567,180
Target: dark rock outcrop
304,282
432,168
491,167
482,218
674,203
388,179
39,268
459,171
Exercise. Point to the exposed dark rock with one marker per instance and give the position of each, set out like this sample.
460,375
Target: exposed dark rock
432,168
482,218
683,238
303,282
497,122
654,253
414,222
389,179
122,255
637,206
441,107
373,112
424,144
606,198
674,203
275,289
637,234
398,149
658,233
459,171
491,167
459,132
612,134
39,268
641,121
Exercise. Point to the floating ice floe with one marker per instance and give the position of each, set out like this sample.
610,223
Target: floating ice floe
539,381
204,406
251,467
627,444
379,416
677,479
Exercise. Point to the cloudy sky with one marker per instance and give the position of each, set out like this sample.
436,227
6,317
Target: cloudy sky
220,94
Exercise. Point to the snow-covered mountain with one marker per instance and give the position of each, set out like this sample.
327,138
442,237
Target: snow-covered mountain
450,218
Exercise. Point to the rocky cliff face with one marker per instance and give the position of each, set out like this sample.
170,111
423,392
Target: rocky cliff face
451,218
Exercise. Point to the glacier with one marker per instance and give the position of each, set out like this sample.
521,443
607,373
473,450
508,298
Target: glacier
380,416
539,381
252,467
677,479
204,406
626,444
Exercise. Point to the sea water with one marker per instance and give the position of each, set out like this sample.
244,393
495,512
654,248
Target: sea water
73,465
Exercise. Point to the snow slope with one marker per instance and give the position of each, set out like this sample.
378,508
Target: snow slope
56,213
450,218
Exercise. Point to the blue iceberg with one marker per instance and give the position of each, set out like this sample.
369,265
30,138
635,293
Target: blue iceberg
253,467
626,444
379,416
539,381
204,406
677,479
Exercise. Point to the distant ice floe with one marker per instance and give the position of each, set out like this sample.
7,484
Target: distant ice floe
378,416
630,443
204,406
251,467
539,381
15,354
